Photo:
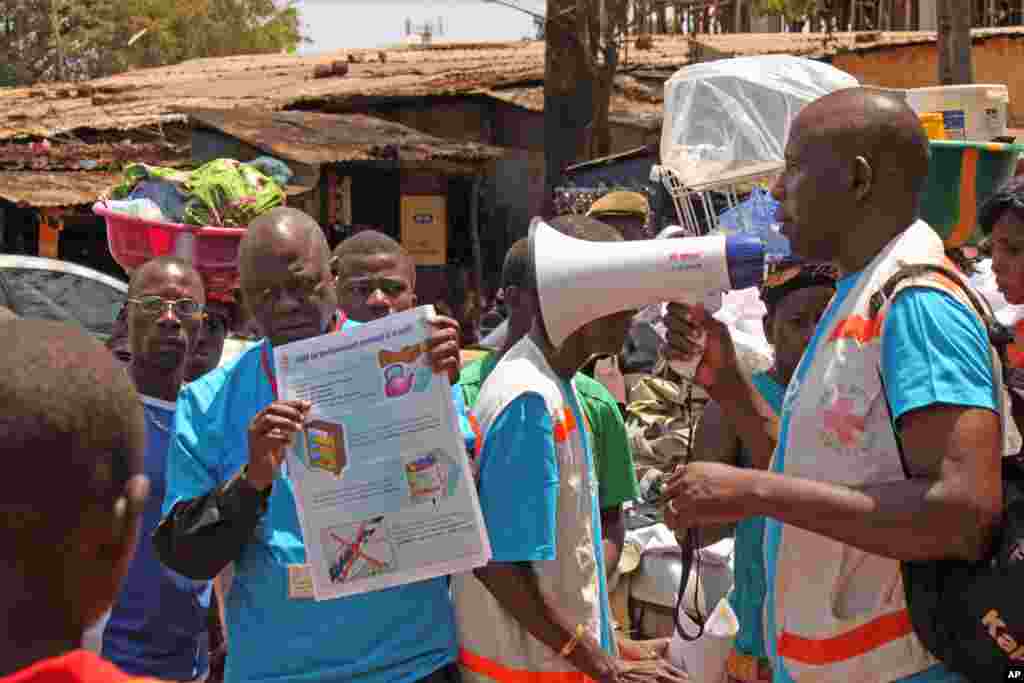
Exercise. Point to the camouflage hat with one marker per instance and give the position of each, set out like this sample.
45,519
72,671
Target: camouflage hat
620,203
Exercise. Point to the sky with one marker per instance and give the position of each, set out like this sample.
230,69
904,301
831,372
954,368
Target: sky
339,24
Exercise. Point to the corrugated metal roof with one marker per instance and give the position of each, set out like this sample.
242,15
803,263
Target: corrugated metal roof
81,156
150,97
317,139
44,189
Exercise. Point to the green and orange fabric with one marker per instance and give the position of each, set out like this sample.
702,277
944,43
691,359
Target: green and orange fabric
961,175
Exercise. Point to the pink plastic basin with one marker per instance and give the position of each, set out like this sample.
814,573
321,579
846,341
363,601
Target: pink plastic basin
212,251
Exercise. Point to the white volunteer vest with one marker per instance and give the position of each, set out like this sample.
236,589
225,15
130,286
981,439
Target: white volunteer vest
840,612
494,647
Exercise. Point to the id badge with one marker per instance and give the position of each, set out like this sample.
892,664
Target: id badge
300,582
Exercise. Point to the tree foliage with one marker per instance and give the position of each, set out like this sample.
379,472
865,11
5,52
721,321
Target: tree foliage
47,40
790,10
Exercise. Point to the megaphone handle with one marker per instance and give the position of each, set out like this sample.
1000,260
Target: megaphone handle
712,304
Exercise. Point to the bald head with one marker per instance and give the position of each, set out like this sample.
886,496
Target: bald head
277,227
856,163
71,439
286,278
875,125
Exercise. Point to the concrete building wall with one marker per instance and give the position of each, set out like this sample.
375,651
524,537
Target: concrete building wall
927,15
995,60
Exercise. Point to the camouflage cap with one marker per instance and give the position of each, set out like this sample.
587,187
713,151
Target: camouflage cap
620,203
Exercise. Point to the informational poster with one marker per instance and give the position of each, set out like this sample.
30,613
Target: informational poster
383,484
425,229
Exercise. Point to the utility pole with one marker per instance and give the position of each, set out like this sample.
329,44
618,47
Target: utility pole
954,42
568,94
58,71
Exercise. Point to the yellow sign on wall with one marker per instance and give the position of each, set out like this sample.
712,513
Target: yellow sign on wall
425,229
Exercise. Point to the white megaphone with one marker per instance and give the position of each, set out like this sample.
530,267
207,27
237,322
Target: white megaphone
579,281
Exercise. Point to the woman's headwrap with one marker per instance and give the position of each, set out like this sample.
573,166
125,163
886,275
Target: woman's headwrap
787,278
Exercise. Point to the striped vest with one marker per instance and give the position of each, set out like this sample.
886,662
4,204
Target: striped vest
494,647
840,612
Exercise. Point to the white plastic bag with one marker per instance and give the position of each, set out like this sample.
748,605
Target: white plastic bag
729,115
705,659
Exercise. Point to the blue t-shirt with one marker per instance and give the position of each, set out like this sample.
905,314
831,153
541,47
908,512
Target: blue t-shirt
747,595
518,488
396,635
934,351
157,627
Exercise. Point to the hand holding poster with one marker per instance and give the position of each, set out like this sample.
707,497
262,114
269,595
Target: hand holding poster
383,485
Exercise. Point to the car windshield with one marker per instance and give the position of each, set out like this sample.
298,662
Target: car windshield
63,296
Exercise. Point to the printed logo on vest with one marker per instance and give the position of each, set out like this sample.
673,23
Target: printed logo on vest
841,414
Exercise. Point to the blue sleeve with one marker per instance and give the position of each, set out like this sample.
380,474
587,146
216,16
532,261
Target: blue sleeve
935,350
190,472
462,414
519,482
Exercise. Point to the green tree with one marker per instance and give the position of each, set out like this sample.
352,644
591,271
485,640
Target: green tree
80,39
791,11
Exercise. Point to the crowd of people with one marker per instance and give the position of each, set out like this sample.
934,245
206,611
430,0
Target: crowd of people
875,437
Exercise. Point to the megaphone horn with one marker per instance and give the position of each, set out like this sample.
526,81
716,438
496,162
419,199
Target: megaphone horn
579,281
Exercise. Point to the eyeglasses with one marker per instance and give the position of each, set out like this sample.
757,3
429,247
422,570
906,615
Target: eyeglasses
364,287
215,324
156,305
302,290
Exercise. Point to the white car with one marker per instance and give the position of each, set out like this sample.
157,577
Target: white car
36,287
49,289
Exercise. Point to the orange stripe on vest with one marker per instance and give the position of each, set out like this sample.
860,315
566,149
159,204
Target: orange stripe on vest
859,328
502,674
855,643
565,426
478,440
864,329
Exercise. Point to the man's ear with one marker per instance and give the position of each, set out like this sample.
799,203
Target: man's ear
863,178
125,519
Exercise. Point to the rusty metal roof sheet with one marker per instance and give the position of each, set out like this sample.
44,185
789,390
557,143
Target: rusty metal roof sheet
317,139
44,189
81,156
631,104
151,97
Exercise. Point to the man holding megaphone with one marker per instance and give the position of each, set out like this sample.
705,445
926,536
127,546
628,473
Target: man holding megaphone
540,607
848,497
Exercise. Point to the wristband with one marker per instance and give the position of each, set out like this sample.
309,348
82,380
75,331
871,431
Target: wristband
574,641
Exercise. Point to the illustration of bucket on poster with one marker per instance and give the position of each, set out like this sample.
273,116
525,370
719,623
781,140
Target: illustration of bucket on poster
383,484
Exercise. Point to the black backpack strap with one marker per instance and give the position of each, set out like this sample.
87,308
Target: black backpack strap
999,335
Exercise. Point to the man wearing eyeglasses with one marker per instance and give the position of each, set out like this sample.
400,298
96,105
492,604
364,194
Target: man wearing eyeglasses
157,627
228,501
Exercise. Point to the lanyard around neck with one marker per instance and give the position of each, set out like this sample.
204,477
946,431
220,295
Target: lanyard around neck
336,325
